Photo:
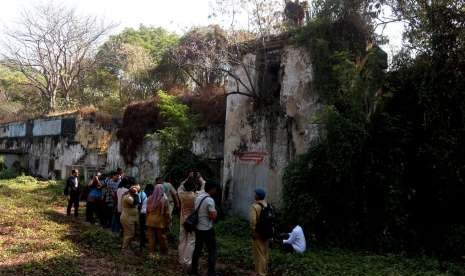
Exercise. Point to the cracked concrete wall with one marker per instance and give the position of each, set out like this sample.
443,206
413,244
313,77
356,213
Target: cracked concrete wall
207,143
91,136
55,144
60,143
258,147
146,166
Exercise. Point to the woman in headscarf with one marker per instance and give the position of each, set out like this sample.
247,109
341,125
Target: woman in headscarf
157,220
130,212
186,240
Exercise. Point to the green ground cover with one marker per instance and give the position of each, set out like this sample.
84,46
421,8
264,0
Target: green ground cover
36,238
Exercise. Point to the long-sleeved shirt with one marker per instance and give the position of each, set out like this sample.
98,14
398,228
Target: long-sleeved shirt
119,194
297,240
255,211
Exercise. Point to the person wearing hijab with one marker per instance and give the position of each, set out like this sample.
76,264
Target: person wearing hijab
157,220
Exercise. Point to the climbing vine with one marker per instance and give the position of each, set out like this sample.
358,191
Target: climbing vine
326,181
178,127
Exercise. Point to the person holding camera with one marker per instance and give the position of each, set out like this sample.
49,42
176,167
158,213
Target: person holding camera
129,212
94,200
197,179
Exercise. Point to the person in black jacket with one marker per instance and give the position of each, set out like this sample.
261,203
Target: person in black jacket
73,190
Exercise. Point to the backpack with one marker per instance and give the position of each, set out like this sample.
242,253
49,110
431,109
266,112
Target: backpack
190,224
265,223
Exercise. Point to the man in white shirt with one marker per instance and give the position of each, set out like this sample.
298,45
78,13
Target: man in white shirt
296,241
204,233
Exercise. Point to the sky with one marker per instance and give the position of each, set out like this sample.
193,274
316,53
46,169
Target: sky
173,15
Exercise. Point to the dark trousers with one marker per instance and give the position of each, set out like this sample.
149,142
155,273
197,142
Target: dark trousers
94,208
287,248
107,215
207,238
73,201
142,230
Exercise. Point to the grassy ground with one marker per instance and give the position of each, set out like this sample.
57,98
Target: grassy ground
36,238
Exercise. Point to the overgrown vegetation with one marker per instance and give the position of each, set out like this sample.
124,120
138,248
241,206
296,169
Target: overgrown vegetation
169,120
178,127
388,173
139,118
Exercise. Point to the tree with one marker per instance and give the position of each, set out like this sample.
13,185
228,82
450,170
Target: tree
217,54
202,55
259,17
132,57
53,46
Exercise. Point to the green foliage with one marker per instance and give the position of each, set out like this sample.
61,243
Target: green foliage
41,240
388,172
8,174
182,160
234,248
327,180
178,127
2,163
67,247
333,46
155,40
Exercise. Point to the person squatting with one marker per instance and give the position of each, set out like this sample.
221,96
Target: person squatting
132,213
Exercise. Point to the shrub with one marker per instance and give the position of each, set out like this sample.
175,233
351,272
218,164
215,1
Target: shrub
8,174
139,118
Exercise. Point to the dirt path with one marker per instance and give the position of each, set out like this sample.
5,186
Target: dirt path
92,263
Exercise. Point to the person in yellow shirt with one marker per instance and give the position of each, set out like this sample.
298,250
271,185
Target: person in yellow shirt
260,244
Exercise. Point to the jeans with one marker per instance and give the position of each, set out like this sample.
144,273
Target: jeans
73,201
207,238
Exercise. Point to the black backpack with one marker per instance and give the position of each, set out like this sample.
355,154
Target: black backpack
190,224
265,223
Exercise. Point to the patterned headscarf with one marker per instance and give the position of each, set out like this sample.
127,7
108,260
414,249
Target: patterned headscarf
157,199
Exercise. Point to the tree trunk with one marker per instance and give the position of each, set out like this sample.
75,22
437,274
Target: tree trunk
52,102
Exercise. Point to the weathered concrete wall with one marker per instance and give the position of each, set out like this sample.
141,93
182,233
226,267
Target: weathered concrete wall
53,153
44,127
207,143
146,166
13,130
54,144
258,146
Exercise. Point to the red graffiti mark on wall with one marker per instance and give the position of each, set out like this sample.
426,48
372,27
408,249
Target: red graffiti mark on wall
251,156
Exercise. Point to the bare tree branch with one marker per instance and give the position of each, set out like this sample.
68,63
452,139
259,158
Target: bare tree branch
52,46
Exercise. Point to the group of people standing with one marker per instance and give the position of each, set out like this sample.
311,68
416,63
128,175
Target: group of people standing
121,204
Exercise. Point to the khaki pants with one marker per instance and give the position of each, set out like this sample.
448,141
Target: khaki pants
157,235
129,231
260,256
